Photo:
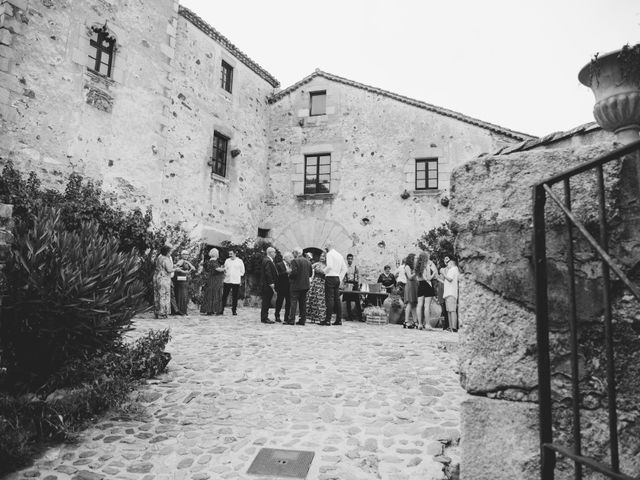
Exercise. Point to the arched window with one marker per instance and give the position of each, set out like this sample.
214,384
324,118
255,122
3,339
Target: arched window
101,50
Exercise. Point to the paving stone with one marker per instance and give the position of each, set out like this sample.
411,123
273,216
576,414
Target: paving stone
88,475
384,411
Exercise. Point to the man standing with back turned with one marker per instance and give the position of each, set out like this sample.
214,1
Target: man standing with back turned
335,270
299,286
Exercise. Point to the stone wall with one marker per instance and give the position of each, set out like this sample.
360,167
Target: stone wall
373,141
58,117
498,352
200,106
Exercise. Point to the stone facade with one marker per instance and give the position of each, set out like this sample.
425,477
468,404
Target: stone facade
498,351
146,131
374,138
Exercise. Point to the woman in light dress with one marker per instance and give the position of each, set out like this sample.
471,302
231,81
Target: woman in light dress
410,292
162,283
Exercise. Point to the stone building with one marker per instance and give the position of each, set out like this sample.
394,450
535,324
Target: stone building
166,112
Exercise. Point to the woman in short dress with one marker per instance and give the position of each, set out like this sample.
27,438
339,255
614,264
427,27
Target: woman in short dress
410,292
425,273
212,288
162,283
316,302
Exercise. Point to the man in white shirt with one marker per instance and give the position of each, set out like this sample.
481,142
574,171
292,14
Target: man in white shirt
233,272
335,270
450,275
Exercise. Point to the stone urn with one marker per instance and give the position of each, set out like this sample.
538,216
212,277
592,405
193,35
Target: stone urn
394,306
615,80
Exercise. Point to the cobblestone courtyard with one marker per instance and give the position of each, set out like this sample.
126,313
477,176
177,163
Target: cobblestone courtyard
371,402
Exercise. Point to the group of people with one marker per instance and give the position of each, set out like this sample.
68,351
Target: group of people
219,280
310,291
306,289
418,277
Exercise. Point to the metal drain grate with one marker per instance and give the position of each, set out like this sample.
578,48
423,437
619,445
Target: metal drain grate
281,463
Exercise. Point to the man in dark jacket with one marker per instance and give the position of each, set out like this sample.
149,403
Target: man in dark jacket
299,286
269,276
282,285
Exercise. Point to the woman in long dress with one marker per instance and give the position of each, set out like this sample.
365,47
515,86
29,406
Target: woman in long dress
162,283
183,269
316,302
410,292
212,288
425,273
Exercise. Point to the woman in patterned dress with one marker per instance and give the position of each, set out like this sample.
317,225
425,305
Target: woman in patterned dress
410,292
212,288
162,283
316,303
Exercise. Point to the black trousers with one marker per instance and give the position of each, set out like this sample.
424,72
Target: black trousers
284,296
233,287
332,298
298,298
267,295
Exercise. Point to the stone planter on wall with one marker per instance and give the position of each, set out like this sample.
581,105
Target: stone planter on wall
615,80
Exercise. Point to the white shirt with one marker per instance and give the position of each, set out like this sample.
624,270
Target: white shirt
336,266
451,288
233,270
402,276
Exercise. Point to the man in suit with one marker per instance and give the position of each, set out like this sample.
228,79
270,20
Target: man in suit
299,286
282,285
269,276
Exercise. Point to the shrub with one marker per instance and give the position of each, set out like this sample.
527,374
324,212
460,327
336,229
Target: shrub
69,295
82,201
79,391
439,242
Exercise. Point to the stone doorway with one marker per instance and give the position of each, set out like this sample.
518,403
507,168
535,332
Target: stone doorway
315,251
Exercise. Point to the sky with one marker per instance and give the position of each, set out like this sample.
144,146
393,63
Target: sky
508,62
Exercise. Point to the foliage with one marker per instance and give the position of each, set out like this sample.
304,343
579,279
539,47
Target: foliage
438,242
629,58
79,391
70,294
251,252
82,201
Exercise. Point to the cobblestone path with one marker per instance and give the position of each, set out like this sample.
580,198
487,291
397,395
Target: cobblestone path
372,402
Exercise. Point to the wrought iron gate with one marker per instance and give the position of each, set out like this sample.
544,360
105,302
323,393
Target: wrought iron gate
542,191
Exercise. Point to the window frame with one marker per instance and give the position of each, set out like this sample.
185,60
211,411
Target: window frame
427,177
219,166
226,77
317,93
96,47
316,184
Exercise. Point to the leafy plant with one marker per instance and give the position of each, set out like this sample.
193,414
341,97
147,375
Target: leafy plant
75,394
69,295
438,242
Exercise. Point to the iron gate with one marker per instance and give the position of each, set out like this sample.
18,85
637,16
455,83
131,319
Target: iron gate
542,191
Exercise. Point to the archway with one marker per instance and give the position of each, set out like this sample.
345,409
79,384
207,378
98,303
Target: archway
312,233
316,252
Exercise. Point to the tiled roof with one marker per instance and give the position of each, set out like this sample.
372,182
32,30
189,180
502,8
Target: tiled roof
546,140
410,101
224,41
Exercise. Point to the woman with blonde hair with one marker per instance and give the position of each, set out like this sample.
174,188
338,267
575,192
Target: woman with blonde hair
410,292
212,288
425,272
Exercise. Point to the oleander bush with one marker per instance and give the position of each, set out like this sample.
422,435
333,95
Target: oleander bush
70,295
74,395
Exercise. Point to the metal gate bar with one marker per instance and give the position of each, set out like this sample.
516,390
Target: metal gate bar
542,190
